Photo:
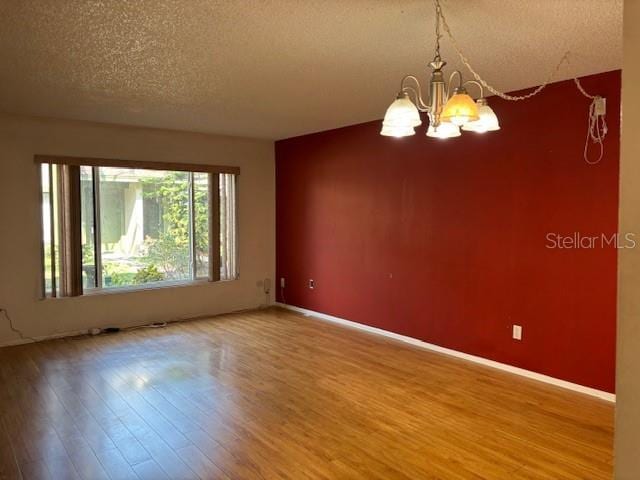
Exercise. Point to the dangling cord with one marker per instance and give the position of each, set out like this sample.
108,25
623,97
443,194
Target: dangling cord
14,329
596,131
596,125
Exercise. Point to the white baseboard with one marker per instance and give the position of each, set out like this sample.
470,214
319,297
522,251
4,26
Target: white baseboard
75,333
610,397
22,341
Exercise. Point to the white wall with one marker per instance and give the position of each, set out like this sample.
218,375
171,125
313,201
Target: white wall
22,137
627,442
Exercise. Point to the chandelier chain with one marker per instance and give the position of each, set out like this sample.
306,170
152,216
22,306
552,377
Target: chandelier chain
565,59
583,91
440,18
438,33
597,125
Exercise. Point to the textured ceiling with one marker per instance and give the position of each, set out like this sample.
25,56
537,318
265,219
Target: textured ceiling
275,68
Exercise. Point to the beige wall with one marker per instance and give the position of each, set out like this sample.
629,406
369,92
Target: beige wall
22,137
627,443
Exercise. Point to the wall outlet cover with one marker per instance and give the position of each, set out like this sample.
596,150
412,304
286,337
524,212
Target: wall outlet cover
517,332
600,106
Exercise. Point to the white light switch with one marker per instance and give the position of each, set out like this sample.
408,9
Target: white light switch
517,332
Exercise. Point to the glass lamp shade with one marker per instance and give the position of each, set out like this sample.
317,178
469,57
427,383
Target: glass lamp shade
460,109
396,131
401,118
444,130
488,121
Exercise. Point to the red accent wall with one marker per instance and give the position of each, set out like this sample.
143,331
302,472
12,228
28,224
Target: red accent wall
444,240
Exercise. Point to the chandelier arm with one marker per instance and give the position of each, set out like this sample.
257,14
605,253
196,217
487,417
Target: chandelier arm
420,103
453,74
417,102
477,84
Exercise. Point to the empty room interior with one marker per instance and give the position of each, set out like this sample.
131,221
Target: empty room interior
320,239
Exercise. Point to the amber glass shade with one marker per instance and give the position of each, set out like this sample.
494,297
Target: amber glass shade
460,109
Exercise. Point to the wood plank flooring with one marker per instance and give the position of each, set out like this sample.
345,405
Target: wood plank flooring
270,394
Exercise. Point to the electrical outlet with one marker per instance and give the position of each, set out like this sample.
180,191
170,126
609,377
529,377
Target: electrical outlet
281,282
517,332
601,106
312,284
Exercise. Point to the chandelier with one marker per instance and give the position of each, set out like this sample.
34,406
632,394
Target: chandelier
451,109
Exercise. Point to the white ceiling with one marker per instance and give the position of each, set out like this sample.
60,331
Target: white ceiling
275,68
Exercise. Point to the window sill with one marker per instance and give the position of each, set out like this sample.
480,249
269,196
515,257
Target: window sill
94,292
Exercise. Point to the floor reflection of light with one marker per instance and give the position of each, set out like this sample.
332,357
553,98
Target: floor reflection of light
126,380
141,381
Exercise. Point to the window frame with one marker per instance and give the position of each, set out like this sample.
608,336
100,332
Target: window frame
214,173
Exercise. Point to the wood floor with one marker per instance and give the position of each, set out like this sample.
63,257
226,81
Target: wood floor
271,394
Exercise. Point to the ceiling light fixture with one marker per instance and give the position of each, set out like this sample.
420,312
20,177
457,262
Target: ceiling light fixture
450,110
447,113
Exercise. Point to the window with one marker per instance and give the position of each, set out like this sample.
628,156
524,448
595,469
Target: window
109,224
